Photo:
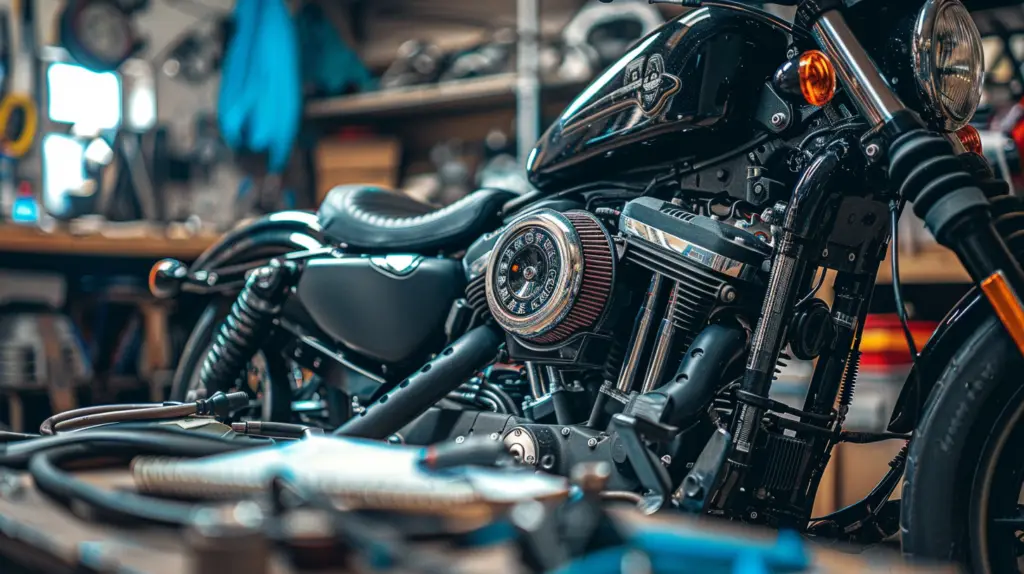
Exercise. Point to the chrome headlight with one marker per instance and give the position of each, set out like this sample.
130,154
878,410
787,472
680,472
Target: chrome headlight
948,62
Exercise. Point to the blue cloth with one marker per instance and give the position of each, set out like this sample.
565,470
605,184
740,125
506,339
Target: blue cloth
682,552
260,103
329,66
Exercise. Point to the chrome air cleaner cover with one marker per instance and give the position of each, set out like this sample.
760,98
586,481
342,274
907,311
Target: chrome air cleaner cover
550,275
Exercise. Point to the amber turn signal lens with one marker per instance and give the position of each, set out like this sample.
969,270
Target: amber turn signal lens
817,78
970,138
1007,306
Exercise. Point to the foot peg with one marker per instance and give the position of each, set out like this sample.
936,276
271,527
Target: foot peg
695,492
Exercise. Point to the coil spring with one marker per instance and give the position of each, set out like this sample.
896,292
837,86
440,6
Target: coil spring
849,382
780,364
246,327
901,457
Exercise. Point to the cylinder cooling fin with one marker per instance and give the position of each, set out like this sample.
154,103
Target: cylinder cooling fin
550,275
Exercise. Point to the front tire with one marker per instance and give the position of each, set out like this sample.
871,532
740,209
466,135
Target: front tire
965,455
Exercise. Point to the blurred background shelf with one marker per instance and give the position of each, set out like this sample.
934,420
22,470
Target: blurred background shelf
135,244
931,265
454,96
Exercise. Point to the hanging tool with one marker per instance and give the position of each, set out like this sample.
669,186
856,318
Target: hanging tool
260,105
99,34
19,118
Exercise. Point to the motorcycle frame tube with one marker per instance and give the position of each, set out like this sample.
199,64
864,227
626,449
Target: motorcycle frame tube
801,237
853,299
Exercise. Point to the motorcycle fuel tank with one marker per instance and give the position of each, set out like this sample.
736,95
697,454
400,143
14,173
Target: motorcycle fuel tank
684,93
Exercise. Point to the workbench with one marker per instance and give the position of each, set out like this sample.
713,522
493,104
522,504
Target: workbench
133,244
36,529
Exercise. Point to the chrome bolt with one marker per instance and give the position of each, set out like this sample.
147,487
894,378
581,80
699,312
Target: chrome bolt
460,439
779,119
517,432
753,515
851,257
592,443
792,52
316,363
872,150
728,294
566,431
666,460
494,436
824,253
530,459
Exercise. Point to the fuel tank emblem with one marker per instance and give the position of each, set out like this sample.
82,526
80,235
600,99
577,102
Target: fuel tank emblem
656,84
645,86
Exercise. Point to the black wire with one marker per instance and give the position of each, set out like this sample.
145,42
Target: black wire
506,400
844,125
901,310
118,504
11,436
174,442
492,404
814,289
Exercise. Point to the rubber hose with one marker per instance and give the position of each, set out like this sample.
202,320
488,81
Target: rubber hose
168,412
47,428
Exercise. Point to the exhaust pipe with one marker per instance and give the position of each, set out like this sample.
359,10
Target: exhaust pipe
417,393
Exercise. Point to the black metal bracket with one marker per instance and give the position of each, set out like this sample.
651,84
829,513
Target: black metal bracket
654,479
699,484
874,518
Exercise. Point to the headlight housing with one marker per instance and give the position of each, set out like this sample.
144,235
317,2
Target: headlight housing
948,62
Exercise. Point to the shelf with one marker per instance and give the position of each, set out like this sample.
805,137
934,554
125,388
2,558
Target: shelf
459,95
18,239
932,265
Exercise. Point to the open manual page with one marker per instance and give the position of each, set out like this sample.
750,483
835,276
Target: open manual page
365,473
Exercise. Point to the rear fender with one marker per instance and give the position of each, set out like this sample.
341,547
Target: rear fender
960,323
270,235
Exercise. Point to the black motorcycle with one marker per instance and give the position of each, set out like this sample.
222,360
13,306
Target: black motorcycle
634,308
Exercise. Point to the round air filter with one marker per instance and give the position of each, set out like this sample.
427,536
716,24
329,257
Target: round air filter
550,275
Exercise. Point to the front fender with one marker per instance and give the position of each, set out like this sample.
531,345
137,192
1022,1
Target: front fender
959,324
269,235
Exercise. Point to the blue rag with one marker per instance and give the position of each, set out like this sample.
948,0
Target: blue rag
260,104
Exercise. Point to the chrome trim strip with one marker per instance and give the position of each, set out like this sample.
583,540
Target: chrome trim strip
639,338
662,346
695,253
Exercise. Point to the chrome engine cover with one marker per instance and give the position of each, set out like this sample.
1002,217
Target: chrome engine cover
550,275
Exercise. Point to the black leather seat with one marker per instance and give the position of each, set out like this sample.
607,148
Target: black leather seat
374,219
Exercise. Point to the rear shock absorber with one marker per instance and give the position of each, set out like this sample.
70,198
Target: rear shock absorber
247,326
